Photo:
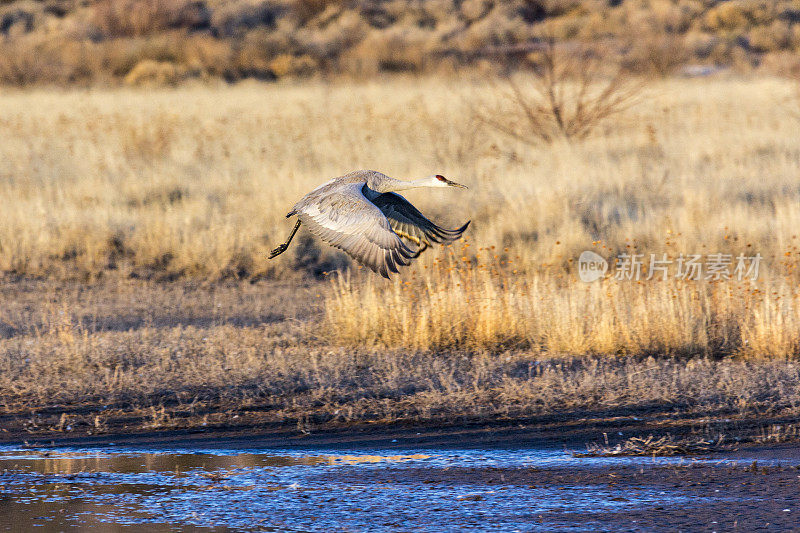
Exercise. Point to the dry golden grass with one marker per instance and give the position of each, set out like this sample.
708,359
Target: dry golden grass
480,303
164,355
194,183
706,186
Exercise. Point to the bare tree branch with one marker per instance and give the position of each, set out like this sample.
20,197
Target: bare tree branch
570,95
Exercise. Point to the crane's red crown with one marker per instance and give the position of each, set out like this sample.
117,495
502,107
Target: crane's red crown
440,177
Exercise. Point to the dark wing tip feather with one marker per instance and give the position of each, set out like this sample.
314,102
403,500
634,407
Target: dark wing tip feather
451,234
389,262
458,231
408,222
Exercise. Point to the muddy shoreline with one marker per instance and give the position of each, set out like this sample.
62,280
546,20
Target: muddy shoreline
552,431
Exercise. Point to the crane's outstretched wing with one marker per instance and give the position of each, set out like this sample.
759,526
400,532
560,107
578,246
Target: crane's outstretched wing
407,221
344,218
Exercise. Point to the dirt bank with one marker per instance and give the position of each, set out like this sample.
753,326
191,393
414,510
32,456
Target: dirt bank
571,432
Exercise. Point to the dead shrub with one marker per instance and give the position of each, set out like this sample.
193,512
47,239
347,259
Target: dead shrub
32,60
571,93
656,53
305,10
135,18
782,64
290,65
207,55
726,16
699,44
157,73
241,38
120,56
238,19
536,10
253,56
388,51
473,10
777,36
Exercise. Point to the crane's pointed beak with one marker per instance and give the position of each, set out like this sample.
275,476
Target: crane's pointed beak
454,184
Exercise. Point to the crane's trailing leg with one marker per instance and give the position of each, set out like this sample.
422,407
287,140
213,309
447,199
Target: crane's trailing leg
282,248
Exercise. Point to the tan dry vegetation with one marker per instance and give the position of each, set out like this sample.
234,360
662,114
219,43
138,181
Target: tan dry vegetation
154,355
478,303
97,42
480,297
194,183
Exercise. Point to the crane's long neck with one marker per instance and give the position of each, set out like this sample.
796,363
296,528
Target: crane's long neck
395,185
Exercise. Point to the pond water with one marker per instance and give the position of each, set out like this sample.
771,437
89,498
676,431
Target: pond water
109,489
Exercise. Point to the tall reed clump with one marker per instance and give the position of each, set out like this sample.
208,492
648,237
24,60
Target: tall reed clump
481,302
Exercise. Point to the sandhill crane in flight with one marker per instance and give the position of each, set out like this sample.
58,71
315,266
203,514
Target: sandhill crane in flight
361,214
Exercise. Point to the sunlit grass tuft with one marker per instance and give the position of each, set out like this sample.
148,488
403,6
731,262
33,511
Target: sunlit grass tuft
483,303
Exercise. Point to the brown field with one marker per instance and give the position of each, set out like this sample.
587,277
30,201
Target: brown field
143,356
134,229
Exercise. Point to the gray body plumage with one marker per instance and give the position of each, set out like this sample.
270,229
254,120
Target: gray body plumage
361,214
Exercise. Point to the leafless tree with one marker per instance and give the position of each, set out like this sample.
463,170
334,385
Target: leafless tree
573,90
